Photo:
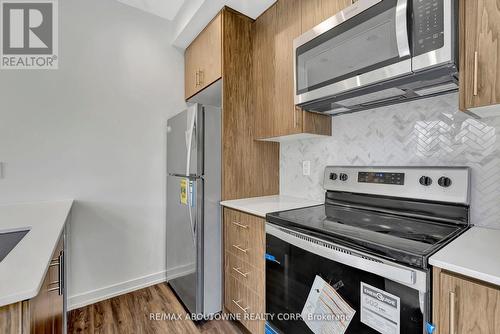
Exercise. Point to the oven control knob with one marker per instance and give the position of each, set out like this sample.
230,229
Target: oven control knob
333,176
425,181
444,181
343,177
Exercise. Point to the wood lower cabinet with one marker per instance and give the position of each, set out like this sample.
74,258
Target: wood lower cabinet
203,58
464,306
11,319
44,313
244,268
479,53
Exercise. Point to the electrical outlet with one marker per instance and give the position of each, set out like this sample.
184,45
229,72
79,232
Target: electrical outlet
306,167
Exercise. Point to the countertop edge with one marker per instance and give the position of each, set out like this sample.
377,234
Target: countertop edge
472,255
471,273
262,205
242,209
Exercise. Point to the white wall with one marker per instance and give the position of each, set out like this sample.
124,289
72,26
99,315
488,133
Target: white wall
94,130
431,132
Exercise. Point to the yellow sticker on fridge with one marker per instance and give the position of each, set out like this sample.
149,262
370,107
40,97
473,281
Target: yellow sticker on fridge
184,190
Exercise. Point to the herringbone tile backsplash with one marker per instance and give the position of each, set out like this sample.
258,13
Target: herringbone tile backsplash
430,132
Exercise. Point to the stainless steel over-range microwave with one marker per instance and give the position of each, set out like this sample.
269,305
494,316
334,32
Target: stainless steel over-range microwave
377,52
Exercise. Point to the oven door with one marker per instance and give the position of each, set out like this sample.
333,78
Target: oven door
363,44
291,270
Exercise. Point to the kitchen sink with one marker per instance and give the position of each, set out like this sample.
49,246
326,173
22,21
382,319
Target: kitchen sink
9,240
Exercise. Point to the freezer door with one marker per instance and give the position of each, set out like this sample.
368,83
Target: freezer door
185,240
185,142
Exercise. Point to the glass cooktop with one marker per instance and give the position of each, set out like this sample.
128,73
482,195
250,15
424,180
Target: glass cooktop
402,239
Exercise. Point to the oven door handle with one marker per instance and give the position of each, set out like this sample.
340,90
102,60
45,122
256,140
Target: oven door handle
352,258
402,28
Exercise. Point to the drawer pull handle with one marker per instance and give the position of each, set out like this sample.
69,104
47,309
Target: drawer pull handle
452,312
54,289
201,77
53,264
240,249
238,270
244,309
240,225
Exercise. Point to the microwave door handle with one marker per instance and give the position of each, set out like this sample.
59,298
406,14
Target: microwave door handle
402,28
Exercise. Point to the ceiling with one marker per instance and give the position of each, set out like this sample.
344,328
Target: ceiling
167,9
189,17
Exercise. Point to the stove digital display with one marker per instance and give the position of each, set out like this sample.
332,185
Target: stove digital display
382,178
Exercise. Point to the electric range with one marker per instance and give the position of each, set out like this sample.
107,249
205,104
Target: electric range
377,229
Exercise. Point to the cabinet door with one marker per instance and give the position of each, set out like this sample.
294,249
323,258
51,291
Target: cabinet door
11,318
479,53
190,71
57,298
288,19
44,313
203,58
467,307
264,30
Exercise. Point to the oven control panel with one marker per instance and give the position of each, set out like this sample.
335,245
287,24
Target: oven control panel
428,32
382,178
444,184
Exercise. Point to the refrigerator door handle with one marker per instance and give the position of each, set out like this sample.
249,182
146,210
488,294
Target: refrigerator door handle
189,206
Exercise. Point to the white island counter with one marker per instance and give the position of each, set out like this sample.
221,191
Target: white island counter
23,269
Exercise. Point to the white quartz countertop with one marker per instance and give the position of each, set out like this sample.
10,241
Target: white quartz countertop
260,206
23,269
476,254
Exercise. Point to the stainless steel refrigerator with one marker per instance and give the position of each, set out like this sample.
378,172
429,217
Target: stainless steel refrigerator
194,240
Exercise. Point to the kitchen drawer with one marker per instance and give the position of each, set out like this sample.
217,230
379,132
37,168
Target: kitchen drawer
244,236
245,273
244,303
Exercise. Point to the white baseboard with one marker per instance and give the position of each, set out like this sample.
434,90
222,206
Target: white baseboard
110,291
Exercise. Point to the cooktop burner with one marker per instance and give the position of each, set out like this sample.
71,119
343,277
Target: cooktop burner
402,239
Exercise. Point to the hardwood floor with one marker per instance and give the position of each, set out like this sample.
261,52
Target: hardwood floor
130,314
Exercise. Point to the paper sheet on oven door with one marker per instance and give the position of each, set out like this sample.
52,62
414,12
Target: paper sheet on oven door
380,310
325,311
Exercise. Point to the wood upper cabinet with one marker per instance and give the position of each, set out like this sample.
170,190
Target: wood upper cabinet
479,53
203,58
288,27
463,306
263,31
316,11
276,114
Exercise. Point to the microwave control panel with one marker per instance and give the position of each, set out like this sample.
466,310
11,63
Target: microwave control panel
428,26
